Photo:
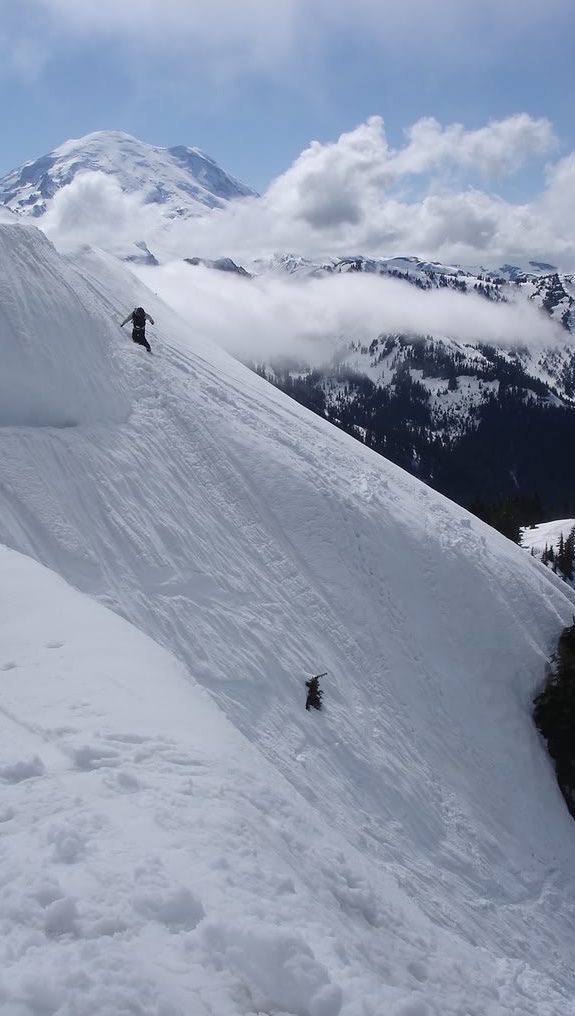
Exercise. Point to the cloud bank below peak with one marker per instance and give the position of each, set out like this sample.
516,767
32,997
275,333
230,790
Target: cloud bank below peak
314,319
433,196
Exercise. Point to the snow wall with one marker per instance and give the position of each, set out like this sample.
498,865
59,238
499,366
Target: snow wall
55,348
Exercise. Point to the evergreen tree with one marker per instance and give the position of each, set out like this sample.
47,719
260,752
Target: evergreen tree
570,555
565,556
554,714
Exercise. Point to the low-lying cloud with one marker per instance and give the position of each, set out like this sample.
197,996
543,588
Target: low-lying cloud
270,317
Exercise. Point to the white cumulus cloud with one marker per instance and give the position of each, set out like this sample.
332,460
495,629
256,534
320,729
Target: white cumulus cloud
350,196
499,148
353,195
94,210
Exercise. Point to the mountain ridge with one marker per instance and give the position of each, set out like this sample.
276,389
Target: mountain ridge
434,404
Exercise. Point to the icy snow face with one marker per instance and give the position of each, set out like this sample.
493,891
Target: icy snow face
55,343
182,180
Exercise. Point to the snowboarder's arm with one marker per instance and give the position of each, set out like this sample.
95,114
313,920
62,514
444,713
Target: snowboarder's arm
129,318
150,319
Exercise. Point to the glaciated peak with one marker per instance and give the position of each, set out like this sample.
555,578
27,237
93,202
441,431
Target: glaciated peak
183,180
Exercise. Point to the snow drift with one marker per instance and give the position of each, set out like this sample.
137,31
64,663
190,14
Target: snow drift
55,344
406,851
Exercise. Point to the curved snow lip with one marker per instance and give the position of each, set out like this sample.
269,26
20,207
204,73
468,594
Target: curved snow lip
56,340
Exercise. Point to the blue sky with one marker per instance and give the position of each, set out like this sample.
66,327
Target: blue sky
384,126
253,83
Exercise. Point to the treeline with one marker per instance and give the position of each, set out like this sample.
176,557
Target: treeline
509,514
509,462
554,714
437,359
562,559
517,447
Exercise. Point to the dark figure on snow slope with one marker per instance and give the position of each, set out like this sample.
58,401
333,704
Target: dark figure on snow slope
138,317
314,692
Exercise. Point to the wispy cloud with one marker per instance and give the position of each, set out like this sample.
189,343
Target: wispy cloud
257,34
238,37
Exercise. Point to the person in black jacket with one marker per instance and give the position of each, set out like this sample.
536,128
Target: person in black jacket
138,317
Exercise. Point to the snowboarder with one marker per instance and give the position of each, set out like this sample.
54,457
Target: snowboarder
138,317
314,692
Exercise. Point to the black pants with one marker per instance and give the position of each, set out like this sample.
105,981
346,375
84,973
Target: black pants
139,336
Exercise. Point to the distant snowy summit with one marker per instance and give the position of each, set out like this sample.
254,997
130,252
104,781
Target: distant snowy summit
183,180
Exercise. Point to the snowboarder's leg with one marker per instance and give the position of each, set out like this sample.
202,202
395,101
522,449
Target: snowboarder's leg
139,337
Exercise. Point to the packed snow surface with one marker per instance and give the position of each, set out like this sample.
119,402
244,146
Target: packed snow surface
178,835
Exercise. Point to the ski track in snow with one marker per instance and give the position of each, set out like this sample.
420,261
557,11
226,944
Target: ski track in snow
166,851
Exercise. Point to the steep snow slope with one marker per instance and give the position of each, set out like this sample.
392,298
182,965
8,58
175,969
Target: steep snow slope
53,341
431,855
137,830
183,180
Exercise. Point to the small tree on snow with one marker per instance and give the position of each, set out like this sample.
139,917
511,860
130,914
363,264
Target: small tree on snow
314,692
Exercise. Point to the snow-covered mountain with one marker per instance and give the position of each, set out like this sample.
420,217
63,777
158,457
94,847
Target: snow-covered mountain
542,284
183,181
178,834
433,403
456,376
